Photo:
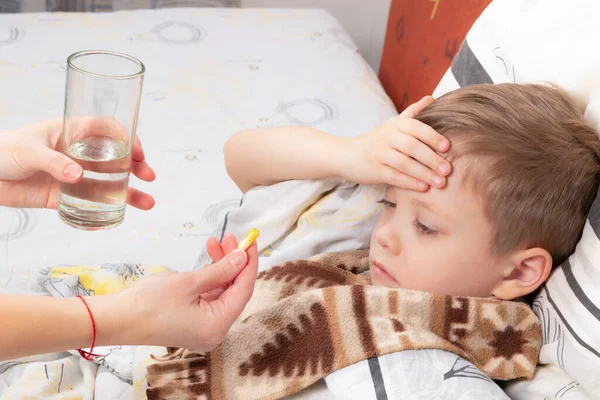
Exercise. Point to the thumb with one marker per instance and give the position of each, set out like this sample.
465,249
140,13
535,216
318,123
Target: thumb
216,275
61,167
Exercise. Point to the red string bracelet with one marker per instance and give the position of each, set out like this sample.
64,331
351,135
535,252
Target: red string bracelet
88,354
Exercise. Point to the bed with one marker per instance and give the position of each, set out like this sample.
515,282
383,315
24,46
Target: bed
210,73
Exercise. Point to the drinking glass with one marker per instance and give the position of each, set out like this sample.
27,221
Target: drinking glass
102,100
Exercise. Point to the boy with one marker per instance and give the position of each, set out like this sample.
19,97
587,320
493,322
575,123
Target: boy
442,259
525,170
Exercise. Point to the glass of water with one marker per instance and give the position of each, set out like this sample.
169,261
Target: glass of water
102,100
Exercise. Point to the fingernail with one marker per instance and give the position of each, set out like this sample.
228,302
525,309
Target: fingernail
237,258
421,184
443,168
72,171
437,181
442,145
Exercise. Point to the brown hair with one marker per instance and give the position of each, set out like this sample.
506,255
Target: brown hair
531,154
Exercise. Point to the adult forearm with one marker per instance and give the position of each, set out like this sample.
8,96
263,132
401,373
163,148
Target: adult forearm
38,325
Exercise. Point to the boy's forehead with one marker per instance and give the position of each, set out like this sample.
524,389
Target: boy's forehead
452,201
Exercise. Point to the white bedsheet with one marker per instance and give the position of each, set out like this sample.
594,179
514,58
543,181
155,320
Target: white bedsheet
210,73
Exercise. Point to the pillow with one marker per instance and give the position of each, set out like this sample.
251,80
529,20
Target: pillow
549,41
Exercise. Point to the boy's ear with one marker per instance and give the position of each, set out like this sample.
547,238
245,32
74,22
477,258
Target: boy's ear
524,272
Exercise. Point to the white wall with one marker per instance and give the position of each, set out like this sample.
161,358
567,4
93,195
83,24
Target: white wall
364,20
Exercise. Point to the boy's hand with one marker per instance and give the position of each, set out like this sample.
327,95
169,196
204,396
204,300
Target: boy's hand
401,152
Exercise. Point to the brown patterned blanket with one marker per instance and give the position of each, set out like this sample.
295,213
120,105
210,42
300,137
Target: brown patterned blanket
309,318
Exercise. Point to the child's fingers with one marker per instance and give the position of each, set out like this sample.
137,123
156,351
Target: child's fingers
422,132
412,110
411,167
214,249
421,153
393,177
416,143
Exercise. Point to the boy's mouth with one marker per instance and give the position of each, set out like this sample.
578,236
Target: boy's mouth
381,271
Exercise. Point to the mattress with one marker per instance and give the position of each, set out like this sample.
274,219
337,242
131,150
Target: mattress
210,73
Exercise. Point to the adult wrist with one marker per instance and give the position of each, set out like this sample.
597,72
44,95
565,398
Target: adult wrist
116,320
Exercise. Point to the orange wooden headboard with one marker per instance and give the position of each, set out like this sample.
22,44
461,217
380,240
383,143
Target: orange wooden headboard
422,38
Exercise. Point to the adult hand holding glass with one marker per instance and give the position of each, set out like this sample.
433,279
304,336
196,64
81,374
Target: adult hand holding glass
32,167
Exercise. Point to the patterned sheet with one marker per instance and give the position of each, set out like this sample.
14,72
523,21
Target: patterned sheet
210,73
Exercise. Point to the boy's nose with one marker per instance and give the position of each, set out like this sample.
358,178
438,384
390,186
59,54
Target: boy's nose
387,240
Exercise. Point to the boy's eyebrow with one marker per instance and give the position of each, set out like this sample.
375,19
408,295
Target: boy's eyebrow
430,207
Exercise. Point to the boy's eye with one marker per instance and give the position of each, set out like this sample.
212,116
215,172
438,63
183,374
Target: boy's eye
423,229
387,203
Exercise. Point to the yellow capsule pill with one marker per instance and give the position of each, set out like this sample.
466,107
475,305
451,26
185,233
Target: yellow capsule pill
249,239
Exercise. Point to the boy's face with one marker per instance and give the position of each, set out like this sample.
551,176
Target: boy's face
437,241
